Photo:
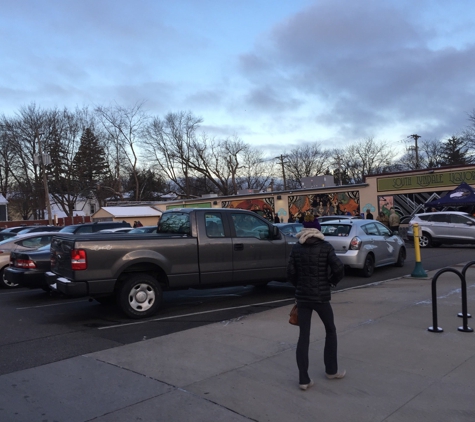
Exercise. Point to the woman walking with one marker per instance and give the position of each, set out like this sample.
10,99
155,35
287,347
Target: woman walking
313,268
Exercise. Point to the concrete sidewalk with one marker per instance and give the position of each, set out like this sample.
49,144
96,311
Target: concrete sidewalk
245,369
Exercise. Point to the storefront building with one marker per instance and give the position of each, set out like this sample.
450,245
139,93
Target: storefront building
407,192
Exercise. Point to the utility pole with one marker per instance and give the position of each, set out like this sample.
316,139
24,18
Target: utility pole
282,163
416,149
43,160
338,158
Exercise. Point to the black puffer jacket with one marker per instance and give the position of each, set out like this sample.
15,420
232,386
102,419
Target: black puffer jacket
313,267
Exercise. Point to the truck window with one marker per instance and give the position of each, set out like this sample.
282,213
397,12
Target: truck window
249,226
214,225
175,223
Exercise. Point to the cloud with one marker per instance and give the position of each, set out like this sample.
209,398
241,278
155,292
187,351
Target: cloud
361,66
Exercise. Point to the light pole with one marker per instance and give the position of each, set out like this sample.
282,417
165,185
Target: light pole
416,149
43,160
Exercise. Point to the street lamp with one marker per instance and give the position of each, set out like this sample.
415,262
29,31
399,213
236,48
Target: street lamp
43,160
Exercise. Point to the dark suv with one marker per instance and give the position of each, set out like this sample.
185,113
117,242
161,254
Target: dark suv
87,228
436,228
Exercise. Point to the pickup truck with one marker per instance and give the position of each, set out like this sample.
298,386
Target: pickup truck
193,248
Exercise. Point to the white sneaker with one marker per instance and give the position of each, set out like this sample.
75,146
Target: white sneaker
306,386
337,376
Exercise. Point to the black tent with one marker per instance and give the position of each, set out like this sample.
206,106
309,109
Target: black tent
463,195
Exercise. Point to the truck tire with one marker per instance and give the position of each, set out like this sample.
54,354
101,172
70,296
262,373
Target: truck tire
139,296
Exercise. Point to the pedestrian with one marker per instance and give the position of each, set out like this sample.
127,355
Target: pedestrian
383,218
276,218
369,216
291,219
393,220
139,224
313,269
135,225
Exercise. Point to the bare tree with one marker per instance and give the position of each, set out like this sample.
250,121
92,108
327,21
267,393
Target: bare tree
306,161
125,127
367,157
256,171
170,142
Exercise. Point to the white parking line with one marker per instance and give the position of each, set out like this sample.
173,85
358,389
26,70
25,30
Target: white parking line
195,313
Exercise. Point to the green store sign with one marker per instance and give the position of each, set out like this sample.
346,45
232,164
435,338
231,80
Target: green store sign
428,180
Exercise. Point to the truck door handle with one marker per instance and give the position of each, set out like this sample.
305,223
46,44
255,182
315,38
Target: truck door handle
238,247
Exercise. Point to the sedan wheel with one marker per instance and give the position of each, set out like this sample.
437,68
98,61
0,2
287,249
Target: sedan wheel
401,258
4,283
140,296
368,269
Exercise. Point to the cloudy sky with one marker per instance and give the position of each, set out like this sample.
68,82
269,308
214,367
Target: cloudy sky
275,73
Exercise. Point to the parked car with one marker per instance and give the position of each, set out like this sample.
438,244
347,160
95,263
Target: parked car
34,229
289,229
6,235
87,228
28,269
14,229
116,230
444,227
364,244
144,229
323,218
21,242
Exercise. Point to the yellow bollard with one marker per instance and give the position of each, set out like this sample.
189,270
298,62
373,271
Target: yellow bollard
418,270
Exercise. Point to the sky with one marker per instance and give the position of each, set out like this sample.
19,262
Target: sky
277,74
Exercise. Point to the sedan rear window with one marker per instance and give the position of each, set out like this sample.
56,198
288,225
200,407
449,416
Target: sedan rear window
336,229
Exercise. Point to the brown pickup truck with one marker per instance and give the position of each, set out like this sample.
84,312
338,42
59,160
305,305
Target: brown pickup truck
193,248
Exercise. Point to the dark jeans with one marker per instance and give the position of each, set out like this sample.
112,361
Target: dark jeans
325,312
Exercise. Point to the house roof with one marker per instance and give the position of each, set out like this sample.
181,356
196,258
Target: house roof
132,211
3,201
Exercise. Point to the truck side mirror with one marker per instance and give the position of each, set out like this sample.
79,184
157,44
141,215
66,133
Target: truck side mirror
275,232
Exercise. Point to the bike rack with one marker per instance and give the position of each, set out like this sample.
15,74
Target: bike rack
465,328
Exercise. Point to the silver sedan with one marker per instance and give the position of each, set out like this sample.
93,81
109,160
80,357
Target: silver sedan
364,244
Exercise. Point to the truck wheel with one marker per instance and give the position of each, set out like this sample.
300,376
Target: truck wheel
4,283
140,296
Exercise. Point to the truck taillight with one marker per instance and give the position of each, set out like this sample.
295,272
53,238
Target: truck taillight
24,263
78,259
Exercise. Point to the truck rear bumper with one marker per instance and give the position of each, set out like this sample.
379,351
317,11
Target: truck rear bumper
69,288
80,288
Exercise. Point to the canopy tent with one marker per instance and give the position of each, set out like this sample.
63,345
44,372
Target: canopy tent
463,195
